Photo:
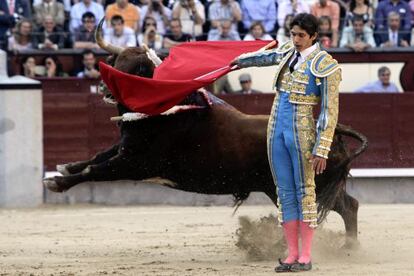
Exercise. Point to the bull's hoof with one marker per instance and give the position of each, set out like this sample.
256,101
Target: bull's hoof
351,244
51,185
63,169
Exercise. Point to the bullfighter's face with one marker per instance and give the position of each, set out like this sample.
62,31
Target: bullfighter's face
301,39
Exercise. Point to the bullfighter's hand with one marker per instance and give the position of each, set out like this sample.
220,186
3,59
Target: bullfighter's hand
318,164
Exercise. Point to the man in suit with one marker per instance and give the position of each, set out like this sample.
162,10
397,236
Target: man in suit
6,22
49,36
52,8
393,36
19,8
246,84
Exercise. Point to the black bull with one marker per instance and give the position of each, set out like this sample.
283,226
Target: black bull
215,150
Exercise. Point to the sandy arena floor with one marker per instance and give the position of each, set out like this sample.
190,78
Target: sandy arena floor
95,240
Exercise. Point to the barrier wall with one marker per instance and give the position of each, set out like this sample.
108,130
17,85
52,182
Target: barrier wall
77,125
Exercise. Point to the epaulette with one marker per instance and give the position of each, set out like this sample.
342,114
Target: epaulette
285,47
323,64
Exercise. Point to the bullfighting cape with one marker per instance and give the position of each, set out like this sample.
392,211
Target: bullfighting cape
188,67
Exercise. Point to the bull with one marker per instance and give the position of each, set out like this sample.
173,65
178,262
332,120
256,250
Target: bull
215,149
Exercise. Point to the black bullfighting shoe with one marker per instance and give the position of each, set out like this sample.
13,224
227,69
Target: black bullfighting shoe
298,267
283,267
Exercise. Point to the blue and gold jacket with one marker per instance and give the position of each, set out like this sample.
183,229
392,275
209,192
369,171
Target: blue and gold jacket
316,80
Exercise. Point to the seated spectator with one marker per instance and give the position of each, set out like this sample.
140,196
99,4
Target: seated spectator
263,11
357,37
257,32
393,36
176,35
362,9
221,86
49,7
29,68
411,3
287,7
19,8
246,85
382,85
398,6
283,34
157,10
330,9
22,37
80,8
325,32
49,36
119,34
53,68
192,16
128,11
84,36
150,35
223,32
7,21
90,67
224,10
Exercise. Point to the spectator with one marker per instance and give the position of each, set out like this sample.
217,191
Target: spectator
330,9
382,85
52,8
246,85
176,36
29,68
393,36
399,6
161,13
222,86
22,37
223,32
224,10
411,3
257,32
128,11
357,37
19,8
53,68
119,34
150,35
84,36
192,16
362,9
325,32
90,67
80,8
49,36
287,7
283,34
7,21
263,11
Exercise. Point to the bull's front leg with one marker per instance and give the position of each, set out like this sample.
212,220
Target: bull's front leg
116,168
79,166
347,207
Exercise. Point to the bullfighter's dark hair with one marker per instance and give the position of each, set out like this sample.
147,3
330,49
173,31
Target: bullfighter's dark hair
307,22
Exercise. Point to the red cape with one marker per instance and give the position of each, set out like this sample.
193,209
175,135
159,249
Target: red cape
176,77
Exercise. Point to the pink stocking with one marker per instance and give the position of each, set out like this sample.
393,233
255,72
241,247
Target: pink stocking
306,234
290,230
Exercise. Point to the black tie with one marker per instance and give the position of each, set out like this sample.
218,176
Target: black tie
293,63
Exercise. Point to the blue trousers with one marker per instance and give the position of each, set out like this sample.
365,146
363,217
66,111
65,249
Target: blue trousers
291,136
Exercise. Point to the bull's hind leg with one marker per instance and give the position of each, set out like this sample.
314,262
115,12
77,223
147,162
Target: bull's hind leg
347,207
116,168
79,166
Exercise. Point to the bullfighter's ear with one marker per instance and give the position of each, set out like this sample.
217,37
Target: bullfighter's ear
152,55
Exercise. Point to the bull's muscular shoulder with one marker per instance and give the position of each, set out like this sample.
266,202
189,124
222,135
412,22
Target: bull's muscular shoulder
323,64
285,47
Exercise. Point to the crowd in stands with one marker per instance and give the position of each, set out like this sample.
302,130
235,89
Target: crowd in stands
57,24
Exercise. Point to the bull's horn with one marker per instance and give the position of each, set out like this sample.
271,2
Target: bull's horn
116,50
152,55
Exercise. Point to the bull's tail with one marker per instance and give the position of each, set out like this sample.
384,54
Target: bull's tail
335,183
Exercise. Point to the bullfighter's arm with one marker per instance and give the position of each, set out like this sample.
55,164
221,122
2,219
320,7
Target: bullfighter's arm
328,74
263,58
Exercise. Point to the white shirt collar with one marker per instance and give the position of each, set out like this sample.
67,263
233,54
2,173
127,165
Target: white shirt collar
305,53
